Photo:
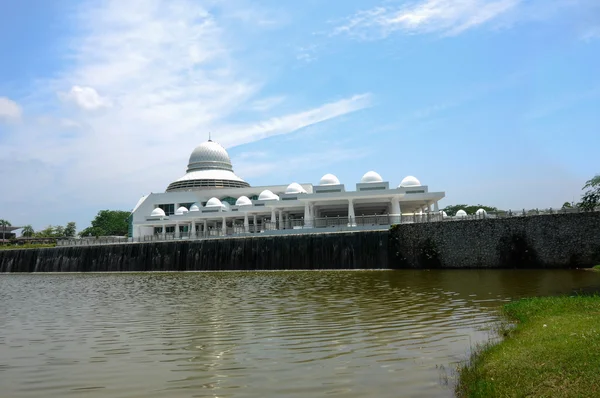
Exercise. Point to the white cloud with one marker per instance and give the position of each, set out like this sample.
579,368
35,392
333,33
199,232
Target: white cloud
9,110
170,75
448,17
85,97
265,104
237,135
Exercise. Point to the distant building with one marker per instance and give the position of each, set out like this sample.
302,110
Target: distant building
7,233
211,200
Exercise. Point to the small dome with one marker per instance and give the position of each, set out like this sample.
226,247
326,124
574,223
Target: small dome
214,202
481,212
225,206
158,212
371,176
181,211
243,201
294,187
461,213
267,195
329,179
195,207
409,181
443,214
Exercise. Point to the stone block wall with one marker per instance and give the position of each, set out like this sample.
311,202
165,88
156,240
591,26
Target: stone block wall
544,241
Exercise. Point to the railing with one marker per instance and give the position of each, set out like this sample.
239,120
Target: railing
324,224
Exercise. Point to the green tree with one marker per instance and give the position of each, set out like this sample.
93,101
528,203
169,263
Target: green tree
591,198
567,205
47,232
108,223
470,209
70,229
4,224
27,231
58,231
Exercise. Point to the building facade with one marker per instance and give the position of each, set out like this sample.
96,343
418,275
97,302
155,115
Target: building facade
211,200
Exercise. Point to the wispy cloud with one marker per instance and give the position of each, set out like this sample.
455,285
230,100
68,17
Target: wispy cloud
9,110
164,73
447,17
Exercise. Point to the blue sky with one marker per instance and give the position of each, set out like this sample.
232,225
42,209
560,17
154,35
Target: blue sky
492,101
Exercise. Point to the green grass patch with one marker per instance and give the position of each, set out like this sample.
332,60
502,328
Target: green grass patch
554,351
596,267
27,246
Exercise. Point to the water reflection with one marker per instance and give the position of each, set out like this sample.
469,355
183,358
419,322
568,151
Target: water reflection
257,334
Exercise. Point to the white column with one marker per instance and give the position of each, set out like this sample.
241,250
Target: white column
351,215
177,235
280,226
436,207
193,231
397,213
255,224
164,231
224,226
308,219
205,229
246,223
273,219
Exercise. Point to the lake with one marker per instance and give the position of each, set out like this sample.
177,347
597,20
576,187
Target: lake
253,334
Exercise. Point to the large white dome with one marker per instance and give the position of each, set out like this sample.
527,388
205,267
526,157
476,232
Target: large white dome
329,179
371,176
409,181
209,167
294,187
209,156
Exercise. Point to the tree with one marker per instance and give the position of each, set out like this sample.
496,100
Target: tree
70,229
470,209
4,224
58,231
47,232
591,198
27,231
567,205
108,223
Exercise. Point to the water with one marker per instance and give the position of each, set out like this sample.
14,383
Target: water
252,334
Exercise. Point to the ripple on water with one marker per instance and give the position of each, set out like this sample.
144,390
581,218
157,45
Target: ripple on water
253,334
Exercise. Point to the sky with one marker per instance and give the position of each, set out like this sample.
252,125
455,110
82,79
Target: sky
494,102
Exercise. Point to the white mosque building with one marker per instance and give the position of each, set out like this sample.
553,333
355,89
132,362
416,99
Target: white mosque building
211,200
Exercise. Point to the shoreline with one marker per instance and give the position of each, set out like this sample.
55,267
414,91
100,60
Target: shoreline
548,346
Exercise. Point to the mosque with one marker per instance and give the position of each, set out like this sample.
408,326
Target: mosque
211,200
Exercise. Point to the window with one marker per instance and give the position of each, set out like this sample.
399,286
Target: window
229,200
186,205
169,209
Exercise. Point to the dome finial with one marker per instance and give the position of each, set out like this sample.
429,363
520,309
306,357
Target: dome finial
209,140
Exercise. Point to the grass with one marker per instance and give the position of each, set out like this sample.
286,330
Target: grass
27,246
554,351
596,267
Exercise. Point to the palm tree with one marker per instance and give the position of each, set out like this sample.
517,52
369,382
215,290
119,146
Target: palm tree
4,224
27,231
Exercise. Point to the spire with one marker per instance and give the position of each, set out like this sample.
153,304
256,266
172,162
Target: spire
209,140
